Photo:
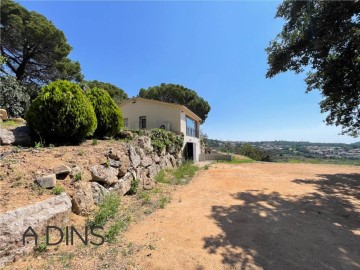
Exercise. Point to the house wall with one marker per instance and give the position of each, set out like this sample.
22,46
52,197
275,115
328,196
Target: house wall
155,115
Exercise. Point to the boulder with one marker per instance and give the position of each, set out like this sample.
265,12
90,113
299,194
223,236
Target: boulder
3,114
62,170
114,163
145,159
134,157
124,184
103,174
124,165
116,154
173,161
47,181
144,142
16,136
99,192
155,158
82,200
13,224
153,170
19,120
147,183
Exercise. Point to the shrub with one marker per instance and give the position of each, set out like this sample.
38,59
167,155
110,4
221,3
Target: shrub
57,190
108,208
108,114
62,114
13,96
162,139
134,186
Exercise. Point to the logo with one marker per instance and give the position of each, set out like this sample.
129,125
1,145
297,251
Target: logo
55,235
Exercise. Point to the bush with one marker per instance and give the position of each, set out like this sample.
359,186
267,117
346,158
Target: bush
13,97
62,114
168,140
108,114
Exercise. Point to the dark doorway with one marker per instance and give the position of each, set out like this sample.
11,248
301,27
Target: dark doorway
189,151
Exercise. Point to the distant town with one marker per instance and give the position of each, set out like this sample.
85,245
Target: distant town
285,150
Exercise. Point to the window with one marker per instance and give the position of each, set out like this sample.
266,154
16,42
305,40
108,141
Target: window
142,122
126,122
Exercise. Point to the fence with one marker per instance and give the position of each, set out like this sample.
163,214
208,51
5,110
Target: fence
204,157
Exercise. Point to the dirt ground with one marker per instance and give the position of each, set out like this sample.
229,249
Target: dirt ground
256,216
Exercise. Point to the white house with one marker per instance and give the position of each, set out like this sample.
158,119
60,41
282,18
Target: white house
141,113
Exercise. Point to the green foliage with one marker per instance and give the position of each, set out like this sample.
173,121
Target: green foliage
116,93
323,37
13,97
57,190
235,160
162,139
94,142
41,247
62,114
254,153
108,114
119,226
180,175
34,49
134,186
163,201
184,173
175,93
107,210
161,177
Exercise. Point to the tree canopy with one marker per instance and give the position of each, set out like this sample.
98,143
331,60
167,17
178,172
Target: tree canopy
116,93
35,51
324,38
175,93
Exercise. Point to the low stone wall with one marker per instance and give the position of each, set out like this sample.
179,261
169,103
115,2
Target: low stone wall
13,224
204,157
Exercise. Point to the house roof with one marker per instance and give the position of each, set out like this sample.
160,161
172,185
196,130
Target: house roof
181,107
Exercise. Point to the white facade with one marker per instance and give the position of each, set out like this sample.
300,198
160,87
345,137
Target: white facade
140,113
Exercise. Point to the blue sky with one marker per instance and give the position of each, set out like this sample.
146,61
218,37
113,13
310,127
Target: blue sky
214,48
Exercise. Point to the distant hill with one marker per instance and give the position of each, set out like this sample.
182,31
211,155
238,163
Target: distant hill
356,143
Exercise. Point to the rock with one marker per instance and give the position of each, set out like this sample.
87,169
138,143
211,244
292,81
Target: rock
153,170
76,170
82,200
120,151
48,181
99,192
173,161
114,163
141,173
134,157
16,136
13,224
148,183
144,142
162,163
102,174
62,170
146,160
3,114
124,184
155,158
18,120
124,165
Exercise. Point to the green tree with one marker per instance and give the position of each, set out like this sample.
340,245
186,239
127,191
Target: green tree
175,93
62,114
35,51
324,38
108,114
13,96
116,93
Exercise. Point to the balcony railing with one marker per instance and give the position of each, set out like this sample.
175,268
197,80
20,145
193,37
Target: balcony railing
192,132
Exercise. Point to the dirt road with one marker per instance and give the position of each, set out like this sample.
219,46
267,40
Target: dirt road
256,216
